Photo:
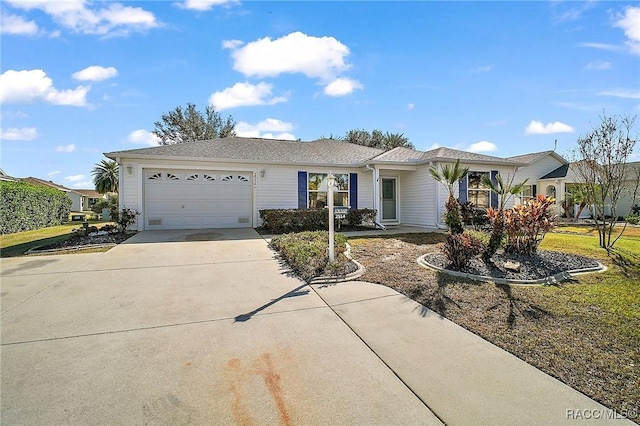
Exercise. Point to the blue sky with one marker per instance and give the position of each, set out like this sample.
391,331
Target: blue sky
80,78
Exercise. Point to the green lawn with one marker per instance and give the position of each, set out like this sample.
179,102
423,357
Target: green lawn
18,243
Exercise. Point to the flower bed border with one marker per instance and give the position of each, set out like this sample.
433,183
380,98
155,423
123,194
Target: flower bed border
549,280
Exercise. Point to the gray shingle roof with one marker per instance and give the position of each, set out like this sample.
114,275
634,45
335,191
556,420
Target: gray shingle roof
560,172
535,156
322,151
449,154
400,154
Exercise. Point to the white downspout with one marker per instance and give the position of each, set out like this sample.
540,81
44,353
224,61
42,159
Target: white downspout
376,194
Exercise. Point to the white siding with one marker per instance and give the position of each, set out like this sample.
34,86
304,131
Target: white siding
418,205
533,172
277,188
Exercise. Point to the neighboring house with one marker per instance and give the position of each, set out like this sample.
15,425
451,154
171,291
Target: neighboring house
565,177
77,198
5,177
90,197
226,182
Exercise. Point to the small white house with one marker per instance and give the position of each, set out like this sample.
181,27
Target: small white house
225,182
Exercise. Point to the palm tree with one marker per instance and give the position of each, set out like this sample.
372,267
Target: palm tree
449,176
504,190
393,140
105,176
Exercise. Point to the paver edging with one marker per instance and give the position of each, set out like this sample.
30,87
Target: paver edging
553,279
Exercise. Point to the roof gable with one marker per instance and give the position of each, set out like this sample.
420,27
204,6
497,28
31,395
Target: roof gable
535,156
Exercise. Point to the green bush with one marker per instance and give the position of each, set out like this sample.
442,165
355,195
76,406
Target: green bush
280,221
111,203
24,206
633,219
307,252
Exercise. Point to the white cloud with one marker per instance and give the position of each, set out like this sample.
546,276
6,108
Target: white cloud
271,128
19,134
231,44
17,25
74,178
622,93
27,86
598,65
202,5
84,184
75,15
410,106
55,172
342,86
482,146
245,94
538,128
315,57
630,23
601,46
66,148
143,137
95,73
434,145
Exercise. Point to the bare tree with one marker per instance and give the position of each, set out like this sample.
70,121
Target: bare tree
601,166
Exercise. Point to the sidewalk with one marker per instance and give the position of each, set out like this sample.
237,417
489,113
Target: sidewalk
462,378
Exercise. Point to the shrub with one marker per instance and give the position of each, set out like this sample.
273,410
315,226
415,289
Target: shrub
459,249
452,217
526,225
473,216
124,218
280,221
24,206
111,203
307,252
361,217
633,219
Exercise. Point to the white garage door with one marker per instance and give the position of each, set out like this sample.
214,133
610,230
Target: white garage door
194,199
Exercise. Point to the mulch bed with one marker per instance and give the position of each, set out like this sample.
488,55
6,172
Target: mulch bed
569,344
78,241
540,265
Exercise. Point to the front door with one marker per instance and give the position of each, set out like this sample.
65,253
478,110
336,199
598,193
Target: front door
389,200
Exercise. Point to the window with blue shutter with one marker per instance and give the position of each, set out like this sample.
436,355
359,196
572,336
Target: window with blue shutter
302,190
462,190
493,195
353,190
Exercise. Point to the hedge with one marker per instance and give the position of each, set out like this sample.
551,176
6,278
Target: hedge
24,206
281,221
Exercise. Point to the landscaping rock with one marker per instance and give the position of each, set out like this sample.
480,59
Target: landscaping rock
532,267
512,266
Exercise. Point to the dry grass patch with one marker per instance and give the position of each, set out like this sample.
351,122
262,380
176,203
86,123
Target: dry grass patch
585,332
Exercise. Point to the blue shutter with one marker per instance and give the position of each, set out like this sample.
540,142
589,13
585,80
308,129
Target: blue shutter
302,190
462,190
493,197
534,191
353,190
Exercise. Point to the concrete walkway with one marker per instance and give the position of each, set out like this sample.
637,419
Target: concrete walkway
205,327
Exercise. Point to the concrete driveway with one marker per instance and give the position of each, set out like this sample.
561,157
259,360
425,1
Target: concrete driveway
184,327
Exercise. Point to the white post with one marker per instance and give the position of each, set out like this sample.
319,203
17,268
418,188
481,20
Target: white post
330,182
